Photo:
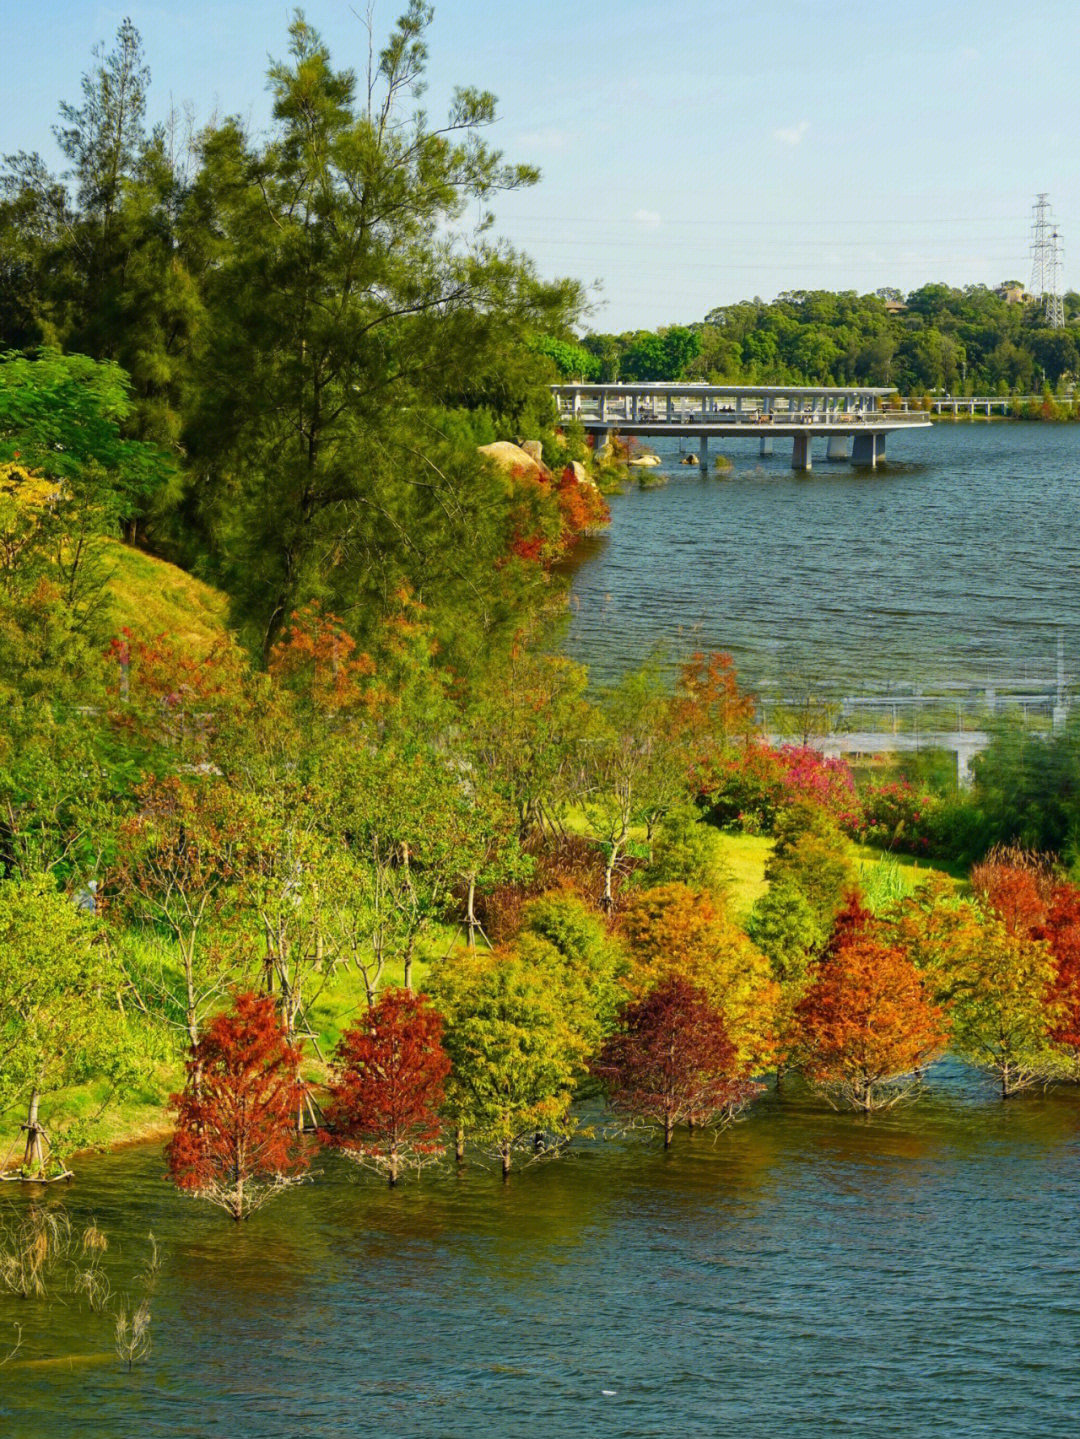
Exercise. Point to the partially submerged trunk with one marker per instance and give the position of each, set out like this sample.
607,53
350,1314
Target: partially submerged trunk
34,1153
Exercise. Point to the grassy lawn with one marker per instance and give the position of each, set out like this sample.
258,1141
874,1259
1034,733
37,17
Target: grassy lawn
746,856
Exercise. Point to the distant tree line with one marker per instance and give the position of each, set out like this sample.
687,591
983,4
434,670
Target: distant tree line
937,338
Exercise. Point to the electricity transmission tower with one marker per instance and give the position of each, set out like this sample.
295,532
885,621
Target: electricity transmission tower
1046,257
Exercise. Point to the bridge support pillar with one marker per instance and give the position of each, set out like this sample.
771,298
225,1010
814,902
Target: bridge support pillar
965,753
765,447
703,454
837,448
600,439
801,453
868,450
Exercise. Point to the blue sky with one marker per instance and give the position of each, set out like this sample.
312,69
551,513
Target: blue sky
692,153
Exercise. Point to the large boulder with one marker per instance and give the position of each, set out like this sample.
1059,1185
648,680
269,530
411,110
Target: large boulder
535,449
510,459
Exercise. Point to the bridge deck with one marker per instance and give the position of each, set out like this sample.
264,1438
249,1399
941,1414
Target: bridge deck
705,412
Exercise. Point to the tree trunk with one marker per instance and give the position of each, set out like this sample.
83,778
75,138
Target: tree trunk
470,912
505,1151
34,1154
669,1130
459,1145
191,1020
608,901
393,1172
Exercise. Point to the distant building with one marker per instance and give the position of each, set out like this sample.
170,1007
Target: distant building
895,307
1013,293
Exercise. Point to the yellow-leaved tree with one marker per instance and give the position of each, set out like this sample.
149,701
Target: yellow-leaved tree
673,931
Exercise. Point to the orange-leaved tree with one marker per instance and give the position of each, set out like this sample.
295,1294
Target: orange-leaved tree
713,713
236,1142
1061,932
1014,883
867,1026
317,658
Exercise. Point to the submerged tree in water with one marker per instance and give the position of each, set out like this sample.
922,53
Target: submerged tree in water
236,1142
672,1062
59,1021
866,1027
388,1086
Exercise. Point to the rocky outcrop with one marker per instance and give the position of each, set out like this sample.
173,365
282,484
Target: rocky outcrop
509,458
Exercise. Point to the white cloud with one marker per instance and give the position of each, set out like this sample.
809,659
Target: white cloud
792,134
647,219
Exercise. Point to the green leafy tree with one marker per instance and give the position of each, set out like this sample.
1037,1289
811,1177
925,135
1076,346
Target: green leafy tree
60,1020
177,868
636,768
1003,1008
514,1053
107,264
812,855
63,416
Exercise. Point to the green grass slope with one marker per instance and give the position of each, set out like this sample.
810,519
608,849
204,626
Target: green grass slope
152,597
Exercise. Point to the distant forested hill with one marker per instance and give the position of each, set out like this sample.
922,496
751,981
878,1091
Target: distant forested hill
967,341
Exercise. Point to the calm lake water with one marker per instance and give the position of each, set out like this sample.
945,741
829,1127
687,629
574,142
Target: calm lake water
806,1274
957,561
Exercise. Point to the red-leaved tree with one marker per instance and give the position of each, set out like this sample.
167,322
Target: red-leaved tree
1014,883
866,1027
236,1142
388,1086
1061,930
671,1061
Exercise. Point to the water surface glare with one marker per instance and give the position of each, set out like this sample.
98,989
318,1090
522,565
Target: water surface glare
955,561
807,1274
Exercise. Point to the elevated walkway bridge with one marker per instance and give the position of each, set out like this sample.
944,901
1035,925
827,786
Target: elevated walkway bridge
854,422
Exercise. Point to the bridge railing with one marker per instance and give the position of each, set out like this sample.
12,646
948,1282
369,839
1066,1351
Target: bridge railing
974,711
614,411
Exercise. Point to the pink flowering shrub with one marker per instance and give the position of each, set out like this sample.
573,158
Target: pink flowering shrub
758,782
810,775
